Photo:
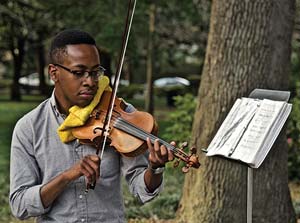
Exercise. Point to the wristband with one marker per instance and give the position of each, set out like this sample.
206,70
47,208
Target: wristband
157,170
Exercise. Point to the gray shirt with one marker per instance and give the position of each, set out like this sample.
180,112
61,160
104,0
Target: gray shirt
38,155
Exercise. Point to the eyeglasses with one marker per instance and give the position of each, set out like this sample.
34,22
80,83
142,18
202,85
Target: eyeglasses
94,74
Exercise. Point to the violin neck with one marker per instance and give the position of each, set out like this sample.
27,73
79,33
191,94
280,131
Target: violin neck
143,135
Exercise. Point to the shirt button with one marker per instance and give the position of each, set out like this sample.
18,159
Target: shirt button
80,196
82,219
76,150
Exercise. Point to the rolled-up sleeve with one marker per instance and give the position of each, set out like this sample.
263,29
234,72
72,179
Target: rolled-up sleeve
25,179
134,169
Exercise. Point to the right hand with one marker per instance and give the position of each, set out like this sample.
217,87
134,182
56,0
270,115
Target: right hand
88,166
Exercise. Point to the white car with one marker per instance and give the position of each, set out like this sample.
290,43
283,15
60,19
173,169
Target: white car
171,81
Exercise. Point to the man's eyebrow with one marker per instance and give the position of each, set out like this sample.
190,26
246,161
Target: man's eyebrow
82,66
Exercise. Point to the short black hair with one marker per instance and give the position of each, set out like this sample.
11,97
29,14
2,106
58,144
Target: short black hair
67,37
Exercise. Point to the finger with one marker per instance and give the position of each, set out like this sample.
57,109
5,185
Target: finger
173,143
91,165
96,165
157,148
92,162
156,158
166,154
163,152
152,153
170,156
85,172
150,147
94,158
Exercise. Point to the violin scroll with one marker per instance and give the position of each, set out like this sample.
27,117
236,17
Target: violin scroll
191,159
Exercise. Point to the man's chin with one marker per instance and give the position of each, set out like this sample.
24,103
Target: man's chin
83,103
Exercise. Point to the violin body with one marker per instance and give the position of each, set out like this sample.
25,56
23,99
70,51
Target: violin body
123,142
127,132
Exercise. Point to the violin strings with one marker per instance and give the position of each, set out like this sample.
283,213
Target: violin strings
140,133
131,129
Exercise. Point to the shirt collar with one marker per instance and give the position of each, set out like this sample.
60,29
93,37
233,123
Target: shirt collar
55,107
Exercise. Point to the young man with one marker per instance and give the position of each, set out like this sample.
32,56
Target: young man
48,177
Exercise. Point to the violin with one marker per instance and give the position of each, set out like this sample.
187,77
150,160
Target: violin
127,132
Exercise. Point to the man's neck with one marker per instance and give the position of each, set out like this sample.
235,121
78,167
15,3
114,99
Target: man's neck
62,109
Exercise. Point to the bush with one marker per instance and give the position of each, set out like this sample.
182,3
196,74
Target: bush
129,91
170,92
181,119
162,207
294,136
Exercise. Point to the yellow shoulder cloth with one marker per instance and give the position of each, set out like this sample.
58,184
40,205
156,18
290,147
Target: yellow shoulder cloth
78,116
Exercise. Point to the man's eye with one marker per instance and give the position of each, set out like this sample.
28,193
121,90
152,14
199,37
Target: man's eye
94,72
78,73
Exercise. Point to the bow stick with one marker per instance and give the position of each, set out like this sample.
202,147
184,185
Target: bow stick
105,129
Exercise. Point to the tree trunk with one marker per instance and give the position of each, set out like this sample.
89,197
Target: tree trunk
149,103
249,47
105,60
40,52
18,56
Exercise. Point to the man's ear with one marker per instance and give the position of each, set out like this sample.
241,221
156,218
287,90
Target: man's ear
53,72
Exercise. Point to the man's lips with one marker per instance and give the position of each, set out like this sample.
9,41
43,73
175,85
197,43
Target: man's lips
87,94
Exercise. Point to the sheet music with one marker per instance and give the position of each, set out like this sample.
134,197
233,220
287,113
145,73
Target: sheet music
233,127
249,130
257,130
272,135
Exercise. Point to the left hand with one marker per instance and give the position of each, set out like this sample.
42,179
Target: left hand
159,154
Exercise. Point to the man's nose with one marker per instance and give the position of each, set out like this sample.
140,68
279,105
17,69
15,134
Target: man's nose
89,81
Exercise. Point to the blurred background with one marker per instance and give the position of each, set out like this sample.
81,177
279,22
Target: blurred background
161,73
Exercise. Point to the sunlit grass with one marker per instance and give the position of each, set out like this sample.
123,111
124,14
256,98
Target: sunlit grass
10,112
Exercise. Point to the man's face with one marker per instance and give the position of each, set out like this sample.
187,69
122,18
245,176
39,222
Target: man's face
69,89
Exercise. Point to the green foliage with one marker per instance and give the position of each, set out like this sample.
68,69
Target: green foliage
162,207
294,136
297,209
9,113
169,93
295,64
294,119
4,83
131,90
181,29
181,119
176,90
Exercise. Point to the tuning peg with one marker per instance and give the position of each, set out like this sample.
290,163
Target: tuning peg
193,150
185,169
183,145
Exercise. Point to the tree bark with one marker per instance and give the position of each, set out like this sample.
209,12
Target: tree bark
249,47
149,102
40,54
105,60
18,57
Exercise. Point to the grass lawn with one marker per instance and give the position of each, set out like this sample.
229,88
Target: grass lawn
10,112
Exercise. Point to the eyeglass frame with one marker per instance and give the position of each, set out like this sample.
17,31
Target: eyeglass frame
86,73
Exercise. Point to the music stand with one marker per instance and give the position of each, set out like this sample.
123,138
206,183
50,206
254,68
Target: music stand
261,94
